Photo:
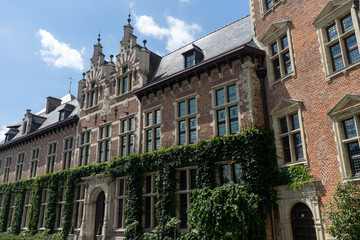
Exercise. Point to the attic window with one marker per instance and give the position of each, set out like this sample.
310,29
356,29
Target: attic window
63,114
24,127
193,56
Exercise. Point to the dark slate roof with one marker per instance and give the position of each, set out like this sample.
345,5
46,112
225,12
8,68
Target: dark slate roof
227,38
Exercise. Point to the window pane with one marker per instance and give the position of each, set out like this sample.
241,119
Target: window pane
181,109
192,106
237,173
121,187
349,128
125,85
221,122
131,144
157,138
120,213
182,130
347,23
284,42
183,210
157,116
354,156
220,97
277,72
234,122
147,212
336,57
232,93
148,184
286,149
352,49
224,174
193,178
298,146
123,146
287,63
132,124
283,125
149,140
192,130
332,32
183,180
295,121
275,49
269,4
149,119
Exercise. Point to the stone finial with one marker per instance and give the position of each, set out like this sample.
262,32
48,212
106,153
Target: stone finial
28,111
111,57
129,19
144,42
99,39
83,74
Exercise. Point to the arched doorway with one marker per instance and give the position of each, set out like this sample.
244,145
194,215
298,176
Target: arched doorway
99,212
302,223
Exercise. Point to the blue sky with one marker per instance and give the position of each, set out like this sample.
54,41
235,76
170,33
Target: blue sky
43,43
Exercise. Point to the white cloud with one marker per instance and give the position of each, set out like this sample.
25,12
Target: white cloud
59,53
3,130
184,1
178,33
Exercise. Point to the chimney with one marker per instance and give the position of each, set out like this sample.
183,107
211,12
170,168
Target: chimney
52,104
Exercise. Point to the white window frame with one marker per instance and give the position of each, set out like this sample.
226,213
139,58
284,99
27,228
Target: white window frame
67,154
43,205
79,203
265,10
126,132
19,165
60,208
106,141
118,197
34,162
152,195
84,148
26,211
152,127
51,157
186,117
11,210
7,168
120,81
90,103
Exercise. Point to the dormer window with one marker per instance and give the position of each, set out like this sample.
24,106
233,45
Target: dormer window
193,56
123,82
24,127
92,98
63,114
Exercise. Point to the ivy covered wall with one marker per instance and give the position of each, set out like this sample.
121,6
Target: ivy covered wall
252,148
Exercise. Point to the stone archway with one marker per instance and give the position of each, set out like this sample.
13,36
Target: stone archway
99,212
302,222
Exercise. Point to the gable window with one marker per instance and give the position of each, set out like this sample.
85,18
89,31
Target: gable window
149,198
186,121
186,185
339,44
67,153
85,139
124,81
289,133
51,158
193,56
7,169
34,162
226,110
152,130
127,130
120,202
92,95
104,143
19,166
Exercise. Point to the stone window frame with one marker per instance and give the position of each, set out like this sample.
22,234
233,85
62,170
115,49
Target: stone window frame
326,19
274,35
34,161
43,205
11,210
293,107
67,152
104,141
152,195
338,115
7,168
25,216
93,92
126,132
51,156
186,117
20,160
265,10
84,147
187,192
79,203
117,199
231,165
227,105
59,208
126,73
152,126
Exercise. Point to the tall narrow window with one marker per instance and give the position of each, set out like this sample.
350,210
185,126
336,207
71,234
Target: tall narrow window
149,198
43,204
19,166
79,205
186,121
24,222
51,158
104,143
280,58
92,95
11,210
230,172
152,130
34,162
59,208
120,200
124,81
7,169
127,131
186,185
67,153
227,119
84,148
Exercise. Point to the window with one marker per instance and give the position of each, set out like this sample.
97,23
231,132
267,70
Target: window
63,114
19,166
67,153
193,56
152,130
289,132
127,130
120,199
92,95
337,33
270,3
7,169
24,222
186,185
104,143
79,201
149,197
11,210
42,209
230,172
279,53
123,83
186,121
51,158
226,110
59,208
84,148
34,162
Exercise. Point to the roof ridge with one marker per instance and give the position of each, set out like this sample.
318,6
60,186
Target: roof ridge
216,30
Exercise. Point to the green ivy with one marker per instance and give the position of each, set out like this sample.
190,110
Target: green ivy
35,203
52,196
68,206
18,212
5,207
